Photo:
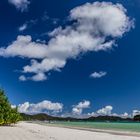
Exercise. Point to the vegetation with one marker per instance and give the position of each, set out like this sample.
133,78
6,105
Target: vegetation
45,117
110,119
8,115
40,117
137,118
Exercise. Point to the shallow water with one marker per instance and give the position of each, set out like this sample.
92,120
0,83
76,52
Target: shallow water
135,127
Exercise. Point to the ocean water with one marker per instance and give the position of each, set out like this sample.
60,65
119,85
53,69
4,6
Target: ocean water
127,126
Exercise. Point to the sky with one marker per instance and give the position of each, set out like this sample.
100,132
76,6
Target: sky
71,58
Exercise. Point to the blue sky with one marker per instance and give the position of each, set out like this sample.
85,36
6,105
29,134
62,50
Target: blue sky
103,79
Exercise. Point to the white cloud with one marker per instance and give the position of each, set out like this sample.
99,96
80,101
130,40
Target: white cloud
125,115
135,112
108,19
23,27
105,111
84,104
78,109
98,74
24,47
38,77
41,107
22,78
45,66
21,5
94,24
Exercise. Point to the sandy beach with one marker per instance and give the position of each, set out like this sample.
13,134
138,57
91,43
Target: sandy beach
30,131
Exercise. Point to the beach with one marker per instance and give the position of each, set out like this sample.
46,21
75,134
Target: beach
32,131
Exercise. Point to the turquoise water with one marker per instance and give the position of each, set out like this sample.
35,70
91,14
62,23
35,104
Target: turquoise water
135,127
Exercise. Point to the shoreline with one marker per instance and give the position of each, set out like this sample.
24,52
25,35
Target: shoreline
109,131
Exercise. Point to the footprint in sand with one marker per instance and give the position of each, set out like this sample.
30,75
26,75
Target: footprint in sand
52,138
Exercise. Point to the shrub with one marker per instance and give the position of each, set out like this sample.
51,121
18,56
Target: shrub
8,115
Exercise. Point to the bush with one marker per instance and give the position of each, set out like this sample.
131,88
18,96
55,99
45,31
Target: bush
8,115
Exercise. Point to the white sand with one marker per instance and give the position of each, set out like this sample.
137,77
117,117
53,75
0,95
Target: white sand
29,131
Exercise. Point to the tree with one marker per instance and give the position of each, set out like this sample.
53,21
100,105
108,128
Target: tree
8,115
137,118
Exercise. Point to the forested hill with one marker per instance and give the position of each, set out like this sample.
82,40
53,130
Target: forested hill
45,117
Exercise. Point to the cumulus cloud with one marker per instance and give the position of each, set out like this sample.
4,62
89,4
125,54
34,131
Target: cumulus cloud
78,109
98,74
95,27
41,107
24,47
21,5
105,111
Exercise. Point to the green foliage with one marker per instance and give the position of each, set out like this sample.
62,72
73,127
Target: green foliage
8,115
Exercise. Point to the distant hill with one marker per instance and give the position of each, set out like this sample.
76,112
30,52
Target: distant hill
45,117
109,118
41,117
